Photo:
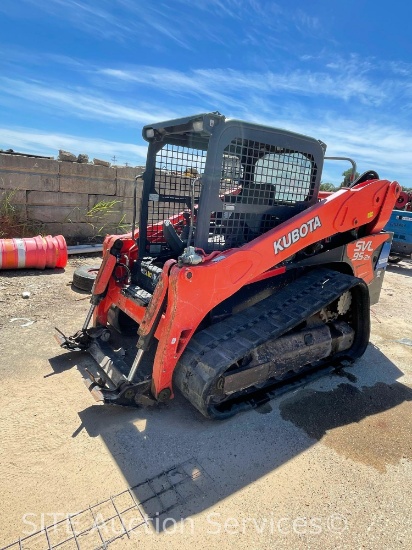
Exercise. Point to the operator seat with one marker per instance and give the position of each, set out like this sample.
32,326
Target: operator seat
243,227
258,193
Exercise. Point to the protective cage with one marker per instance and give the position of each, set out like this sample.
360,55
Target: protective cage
261,185
176,192
224,188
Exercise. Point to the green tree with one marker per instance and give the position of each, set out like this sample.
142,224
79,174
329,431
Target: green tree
327,187
347,174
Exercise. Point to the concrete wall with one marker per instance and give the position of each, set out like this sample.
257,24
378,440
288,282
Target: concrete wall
62,196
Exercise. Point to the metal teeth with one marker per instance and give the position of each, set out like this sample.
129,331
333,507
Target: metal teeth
342,306
344,303
327,315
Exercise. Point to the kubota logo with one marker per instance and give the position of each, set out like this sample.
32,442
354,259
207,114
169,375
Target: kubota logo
296,234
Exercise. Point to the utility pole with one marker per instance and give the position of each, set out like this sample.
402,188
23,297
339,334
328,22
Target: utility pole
114,159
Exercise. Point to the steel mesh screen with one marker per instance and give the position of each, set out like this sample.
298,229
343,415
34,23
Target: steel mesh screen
260,177
177,181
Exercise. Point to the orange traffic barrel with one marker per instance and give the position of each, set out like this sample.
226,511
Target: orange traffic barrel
33,252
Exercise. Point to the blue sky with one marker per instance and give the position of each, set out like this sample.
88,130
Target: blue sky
86,75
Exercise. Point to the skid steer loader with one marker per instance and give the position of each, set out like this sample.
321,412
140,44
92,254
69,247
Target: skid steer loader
240,278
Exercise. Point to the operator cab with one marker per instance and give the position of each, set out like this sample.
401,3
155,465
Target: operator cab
217,183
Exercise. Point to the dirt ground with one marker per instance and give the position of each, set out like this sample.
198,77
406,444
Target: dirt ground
327,465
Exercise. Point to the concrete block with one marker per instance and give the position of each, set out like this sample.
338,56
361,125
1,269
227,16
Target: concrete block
106,217
22,214
125,188
12,215
128,217
114,220
127,203
82,232
27,164
46,198
120,202
129,172
61,214
67,156
77,232
94,199
13,197
20,180
126,178
84,185
111,218
100,162
86,170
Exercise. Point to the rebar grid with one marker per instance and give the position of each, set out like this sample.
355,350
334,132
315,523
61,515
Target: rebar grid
90,529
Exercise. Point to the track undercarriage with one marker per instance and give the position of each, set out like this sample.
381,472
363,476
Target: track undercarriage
317,321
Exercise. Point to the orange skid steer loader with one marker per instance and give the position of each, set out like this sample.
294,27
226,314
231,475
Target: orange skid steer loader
240,278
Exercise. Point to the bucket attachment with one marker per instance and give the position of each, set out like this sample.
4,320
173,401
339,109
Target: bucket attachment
111,379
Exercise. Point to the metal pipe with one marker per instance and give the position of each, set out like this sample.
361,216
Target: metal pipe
84,248
135,365
88,317
139,177
349,160
192,209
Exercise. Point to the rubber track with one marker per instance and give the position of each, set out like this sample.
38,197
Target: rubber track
213,350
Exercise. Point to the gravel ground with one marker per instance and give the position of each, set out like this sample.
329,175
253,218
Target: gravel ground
324,466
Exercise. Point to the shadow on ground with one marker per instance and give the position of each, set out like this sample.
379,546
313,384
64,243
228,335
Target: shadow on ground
362,417
23,273
403,268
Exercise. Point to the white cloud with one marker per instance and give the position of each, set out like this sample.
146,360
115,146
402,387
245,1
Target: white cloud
373,146
89,16
385,149
28,140
230,85
81,103
180,22
335,103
